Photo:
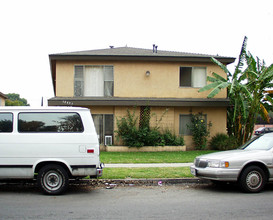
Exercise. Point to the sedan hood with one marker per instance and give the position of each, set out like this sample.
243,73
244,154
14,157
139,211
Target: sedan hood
234,154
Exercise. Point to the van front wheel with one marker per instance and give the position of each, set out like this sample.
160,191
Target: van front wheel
52,179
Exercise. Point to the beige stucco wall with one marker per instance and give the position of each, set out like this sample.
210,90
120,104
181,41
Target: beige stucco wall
130,79
2,101
216,115
101,109
168,118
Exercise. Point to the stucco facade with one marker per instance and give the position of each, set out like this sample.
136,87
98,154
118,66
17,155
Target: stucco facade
163,81
160,89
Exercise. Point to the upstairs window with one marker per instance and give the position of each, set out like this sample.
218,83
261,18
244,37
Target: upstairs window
94,81
193,77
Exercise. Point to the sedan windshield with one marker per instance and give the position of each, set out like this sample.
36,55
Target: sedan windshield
260,143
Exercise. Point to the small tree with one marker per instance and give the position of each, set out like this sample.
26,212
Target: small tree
15,100
200,130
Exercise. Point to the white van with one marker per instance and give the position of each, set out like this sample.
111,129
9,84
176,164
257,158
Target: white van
49,144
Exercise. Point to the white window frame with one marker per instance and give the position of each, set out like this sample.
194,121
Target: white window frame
193,75
80,82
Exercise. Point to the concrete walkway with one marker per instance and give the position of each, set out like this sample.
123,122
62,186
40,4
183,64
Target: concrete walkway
145,165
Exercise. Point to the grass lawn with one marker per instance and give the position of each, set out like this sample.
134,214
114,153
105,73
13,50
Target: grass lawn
150,157
146,173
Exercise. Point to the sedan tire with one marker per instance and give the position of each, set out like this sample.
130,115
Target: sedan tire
252,179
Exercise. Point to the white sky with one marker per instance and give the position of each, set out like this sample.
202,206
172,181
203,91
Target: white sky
33,29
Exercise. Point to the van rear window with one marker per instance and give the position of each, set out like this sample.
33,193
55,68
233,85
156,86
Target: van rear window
6,122
49,122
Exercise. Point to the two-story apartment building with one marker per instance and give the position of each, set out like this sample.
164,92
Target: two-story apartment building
3,98
109,81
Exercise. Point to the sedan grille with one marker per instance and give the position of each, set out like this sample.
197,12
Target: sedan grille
201,163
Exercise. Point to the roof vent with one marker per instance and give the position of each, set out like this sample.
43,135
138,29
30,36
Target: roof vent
155,48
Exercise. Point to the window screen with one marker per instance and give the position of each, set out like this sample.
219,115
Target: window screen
185,121
6,122
79,82
50,122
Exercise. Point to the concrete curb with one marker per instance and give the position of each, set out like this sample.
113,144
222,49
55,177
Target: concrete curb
112,183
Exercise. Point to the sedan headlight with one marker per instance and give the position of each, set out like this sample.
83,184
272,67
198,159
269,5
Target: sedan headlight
218,164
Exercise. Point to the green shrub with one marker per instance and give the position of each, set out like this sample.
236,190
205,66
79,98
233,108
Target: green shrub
134,136
200,130
170,139
223,142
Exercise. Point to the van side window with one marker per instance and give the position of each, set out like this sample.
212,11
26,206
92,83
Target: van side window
6,122
49,122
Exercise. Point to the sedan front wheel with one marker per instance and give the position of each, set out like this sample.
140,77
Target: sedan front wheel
252,179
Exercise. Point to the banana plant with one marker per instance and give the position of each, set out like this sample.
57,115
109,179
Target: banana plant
246,89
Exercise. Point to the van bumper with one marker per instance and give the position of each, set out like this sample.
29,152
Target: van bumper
99,170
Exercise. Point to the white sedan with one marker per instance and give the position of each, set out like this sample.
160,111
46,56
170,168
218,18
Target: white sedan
251,165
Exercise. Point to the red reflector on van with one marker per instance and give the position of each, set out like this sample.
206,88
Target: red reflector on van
90,151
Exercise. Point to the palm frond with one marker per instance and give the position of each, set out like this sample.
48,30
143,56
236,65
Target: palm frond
241,57
222,66
211,79
233,85
219,77
214,92
209,86
217,89
244,108
246,93
269,99
264,113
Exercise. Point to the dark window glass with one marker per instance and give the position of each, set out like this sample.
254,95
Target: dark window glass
104,125
195,77
6,122
50,122
185,121
185,76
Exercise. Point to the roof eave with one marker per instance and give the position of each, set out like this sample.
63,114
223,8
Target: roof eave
115,101
225,60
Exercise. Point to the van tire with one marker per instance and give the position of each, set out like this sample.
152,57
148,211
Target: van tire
53,179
